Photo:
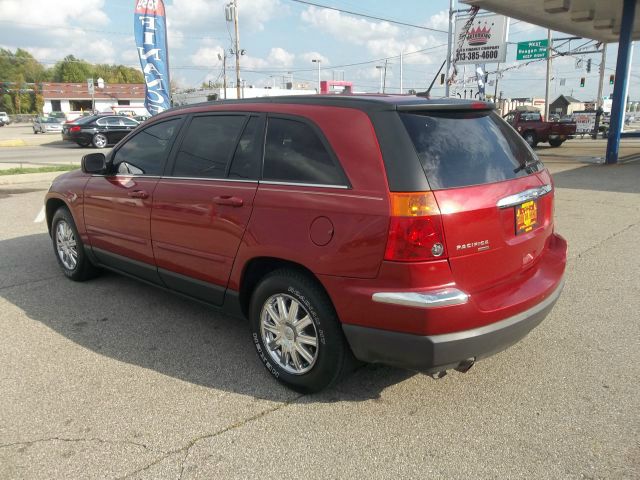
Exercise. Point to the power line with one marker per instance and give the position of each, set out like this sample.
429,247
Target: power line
357,14
83,29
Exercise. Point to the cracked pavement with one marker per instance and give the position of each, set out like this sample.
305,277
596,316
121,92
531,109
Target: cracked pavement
115,379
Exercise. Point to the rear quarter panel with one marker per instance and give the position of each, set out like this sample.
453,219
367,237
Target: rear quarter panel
283,215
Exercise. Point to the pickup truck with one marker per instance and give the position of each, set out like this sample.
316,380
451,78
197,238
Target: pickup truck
533,129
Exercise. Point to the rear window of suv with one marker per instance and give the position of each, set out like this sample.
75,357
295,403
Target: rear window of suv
458,149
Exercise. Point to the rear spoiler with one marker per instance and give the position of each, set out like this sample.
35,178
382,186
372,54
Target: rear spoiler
455,106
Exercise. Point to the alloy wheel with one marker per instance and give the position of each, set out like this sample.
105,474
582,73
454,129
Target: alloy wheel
289,334
66,245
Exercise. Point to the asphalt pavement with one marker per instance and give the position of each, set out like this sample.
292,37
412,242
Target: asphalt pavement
115,379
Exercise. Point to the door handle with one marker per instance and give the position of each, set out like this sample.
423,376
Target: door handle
138,194
228,200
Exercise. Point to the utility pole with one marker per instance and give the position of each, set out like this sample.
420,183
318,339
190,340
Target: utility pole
401,55
449,46
223,57
495,92
626,91
546,90
384,83
601,82
237,49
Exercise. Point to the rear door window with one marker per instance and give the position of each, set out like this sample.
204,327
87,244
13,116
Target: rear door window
208,146
458,149
294,153
247,160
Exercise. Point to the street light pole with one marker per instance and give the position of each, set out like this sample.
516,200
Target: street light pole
380,68
318,62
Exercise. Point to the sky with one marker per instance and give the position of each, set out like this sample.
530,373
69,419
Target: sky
282,36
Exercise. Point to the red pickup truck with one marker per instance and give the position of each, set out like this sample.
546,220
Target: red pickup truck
533,129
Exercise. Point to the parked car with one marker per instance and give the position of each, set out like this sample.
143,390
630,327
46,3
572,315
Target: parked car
534,130
4,119
47,124
98,130
411,232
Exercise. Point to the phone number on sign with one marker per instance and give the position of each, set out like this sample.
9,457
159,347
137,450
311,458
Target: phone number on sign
484,55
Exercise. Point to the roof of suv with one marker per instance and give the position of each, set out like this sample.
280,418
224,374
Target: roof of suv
375,102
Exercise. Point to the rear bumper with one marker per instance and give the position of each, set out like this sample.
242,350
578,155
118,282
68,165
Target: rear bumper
432,353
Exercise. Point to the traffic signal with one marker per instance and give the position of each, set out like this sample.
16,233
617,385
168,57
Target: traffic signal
589,66
582,82
612,79
442,79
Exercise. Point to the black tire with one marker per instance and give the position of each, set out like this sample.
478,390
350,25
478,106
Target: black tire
530,138
332,358
83,269
99,140
556,142
35,132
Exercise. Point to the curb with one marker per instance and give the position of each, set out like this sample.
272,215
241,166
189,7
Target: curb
13,143
28,178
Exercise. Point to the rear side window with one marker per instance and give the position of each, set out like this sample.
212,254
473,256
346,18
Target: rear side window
294,153
458,149
208,145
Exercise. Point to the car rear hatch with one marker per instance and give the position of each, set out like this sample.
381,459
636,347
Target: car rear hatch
494,195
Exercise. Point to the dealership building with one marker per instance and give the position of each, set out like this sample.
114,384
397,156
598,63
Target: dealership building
75,97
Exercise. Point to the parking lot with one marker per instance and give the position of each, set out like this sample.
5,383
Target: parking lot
116,379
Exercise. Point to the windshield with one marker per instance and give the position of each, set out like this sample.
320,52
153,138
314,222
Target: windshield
463,148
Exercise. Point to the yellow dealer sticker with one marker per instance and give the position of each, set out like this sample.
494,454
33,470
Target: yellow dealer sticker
526,217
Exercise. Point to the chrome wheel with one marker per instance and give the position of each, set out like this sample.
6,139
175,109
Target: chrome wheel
289,334
66,245
99,140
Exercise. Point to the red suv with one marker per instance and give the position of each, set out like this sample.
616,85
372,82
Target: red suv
398,230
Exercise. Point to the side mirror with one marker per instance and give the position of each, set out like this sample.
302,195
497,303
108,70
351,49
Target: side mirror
94,163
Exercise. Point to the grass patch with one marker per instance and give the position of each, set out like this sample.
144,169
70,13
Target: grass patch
54,168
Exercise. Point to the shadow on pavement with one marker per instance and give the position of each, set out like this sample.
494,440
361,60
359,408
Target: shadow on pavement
621,178
132,322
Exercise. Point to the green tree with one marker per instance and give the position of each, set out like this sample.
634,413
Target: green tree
6,103
72,70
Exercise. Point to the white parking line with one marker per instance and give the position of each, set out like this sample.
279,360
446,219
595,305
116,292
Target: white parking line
40,217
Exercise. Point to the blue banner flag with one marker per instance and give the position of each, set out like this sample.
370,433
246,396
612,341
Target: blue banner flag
150,29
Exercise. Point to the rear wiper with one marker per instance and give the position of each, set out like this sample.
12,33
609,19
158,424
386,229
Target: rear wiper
528,165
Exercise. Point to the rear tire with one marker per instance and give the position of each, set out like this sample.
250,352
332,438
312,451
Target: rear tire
296,332
556,143
530,138
99,140
69,249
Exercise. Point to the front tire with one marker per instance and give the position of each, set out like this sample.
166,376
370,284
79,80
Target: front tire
99,140
69,248
296,332
530,138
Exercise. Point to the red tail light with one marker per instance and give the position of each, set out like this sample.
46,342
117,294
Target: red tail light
415,230
74,129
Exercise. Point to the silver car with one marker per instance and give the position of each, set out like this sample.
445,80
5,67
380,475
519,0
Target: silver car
47,124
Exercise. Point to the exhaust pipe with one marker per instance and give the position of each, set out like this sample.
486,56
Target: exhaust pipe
465,365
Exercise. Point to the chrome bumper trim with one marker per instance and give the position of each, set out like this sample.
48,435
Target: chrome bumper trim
525,196
436,298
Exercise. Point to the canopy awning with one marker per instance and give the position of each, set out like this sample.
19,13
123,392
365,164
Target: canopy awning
596,19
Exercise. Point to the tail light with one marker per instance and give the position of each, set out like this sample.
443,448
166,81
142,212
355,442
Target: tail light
74,129
415,229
